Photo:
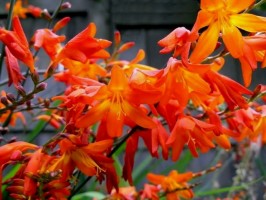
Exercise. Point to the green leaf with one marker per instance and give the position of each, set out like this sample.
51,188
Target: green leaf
227,189
118,168
89,196
142,169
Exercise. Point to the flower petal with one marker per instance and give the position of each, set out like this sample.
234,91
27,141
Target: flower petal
233,40
94,115
249,22
206,43
137,115
236,6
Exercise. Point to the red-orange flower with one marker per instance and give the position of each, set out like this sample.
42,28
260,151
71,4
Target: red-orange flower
175,41
49,41
14,74
18,10
88,158
194,133
84,46
115,105
153,138
9,150
172,182
17,43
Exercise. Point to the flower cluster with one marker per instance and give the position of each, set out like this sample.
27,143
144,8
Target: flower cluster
109,102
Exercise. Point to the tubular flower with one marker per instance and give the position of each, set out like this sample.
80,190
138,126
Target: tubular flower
18,10
230,90
173,182
178,76
115,105
130,66
153,138
49,41
194,133
10,150
14,73
150,192
175,41
125,193
17,43
254,51
83,47
88,158
225,17
90,69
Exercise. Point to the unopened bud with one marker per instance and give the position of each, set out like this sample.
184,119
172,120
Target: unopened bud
46,103
28,104
21,90
117,38
10,97
46,15
65,5
40,87
35,77
125,47
4,100
61,23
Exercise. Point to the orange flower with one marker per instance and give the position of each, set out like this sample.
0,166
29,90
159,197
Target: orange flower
194,133
49,41
254,50
230,90
175,41
222,16
17,43
88,158
90,69
84,46
153,138
124,193
14,74
172,182
9,150
150,192
18,9
116,106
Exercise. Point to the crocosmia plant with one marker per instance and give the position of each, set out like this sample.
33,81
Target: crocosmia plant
113,110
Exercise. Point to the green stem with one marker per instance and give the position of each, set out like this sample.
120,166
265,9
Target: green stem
255,5
7,27
55,13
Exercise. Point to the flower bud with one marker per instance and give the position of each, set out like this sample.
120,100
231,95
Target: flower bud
65,5
117,38
61,23
21,90
40,87
28,103
4,100
46,15
125,47
10,97
35,77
